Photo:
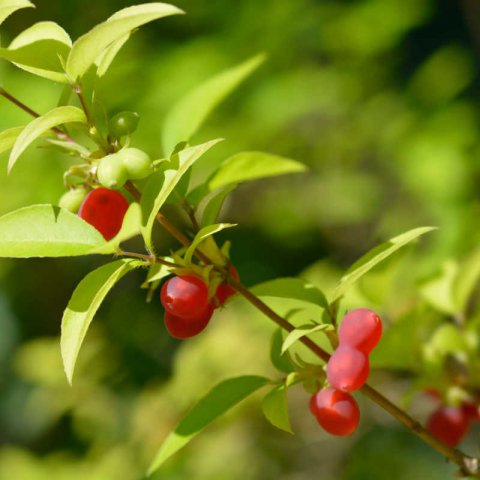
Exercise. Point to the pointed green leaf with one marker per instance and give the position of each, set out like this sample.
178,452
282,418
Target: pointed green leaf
275,408
46,231
281,361
204,233
214,205
8,138
7,7
466,281
106,58
39,50
302,331
293,288
83,305
189,113
246,166
90,46
161,185
131,227
375,256
217,402
158,271
36,128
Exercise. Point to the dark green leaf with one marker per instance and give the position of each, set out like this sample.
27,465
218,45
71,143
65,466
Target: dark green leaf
214,205
217,402
302,331
275,408
281,361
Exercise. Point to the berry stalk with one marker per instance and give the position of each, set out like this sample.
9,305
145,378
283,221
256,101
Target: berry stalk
469,466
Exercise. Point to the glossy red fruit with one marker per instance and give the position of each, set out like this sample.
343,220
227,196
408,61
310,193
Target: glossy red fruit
182,328
224,291
337,412
361,329
104,209
347,369
185,296
449,424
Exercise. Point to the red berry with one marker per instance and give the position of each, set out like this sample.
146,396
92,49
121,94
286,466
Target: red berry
448,424
347,369
224,291
471,411
361,329
104,209
181,328
185,296
337,412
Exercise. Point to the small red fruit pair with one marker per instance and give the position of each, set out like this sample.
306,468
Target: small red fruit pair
104,209
359,333
450,424
188,308
334,408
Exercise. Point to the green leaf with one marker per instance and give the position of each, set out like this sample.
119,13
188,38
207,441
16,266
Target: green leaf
7,7
375,256
106,58
281,361
40,50
46,231
91,46
217,402
292,288
247,166
189,113
36,128
275,408
161,185
214,205
204,233
83,305
466,281
8,138
438,289
302,331
131,227
158,271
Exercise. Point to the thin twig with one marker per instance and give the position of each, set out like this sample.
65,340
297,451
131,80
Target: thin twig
468,465
60,133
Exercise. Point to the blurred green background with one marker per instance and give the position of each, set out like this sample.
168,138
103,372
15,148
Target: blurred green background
380,99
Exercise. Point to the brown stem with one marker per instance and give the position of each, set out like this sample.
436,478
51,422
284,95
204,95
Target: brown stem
149,258
162,220
468,465
60,134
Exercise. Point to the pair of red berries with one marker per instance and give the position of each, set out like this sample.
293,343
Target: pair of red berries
347,370
188,308
104,209
450,424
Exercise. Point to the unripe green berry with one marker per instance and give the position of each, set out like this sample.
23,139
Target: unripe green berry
123,123
111,172
136,162
72,199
